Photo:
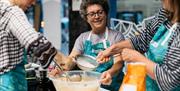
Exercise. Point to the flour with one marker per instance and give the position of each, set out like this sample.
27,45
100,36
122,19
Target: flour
86,64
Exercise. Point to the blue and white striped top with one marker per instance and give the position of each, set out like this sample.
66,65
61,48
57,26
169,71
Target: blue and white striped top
168,74
16,34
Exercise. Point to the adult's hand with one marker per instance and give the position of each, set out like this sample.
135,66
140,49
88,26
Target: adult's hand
103,56
135,56
65,62
54,72
113,49
106,78
132,55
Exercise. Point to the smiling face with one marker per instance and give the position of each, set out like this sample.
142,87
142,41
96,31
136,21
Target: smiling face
97,18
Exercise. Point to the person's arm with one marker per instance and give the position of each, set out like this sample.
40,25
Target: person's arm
130,55
35,43
106,77
117,66
168,74
67,62
150,66
140,42
112,50
117,48
74,53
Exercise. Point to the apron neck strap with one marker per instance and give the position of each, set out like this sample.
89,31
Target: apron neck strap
104,40
106,35
89,36
171,30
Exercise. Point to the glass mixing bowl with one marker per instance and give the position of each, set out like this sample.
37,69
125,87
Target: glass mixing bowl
79,81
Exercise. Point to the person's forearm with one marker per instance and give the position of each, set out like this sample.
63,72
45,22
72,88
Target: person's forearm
58,56
43,50
150,66
115,68
117,48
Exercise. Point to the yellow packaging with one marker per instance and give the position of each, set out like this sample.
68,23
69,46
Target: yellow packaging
135,78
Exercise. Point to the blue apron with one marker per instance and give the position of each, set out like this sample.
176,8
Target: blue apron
93,50
157,49
14,80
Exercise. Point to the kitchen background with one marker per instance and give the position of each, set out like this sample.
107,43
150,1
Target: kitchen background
60,22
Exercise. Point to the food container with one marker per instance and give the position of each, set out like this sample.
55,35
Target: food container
135,78
79,81
86,63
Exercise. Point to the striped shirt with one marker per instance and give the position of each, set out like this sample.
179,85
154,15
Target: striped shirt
167,74
16,33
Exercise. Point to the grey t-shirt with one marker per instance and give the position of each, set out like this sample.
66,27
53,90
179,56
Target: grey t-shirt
113,37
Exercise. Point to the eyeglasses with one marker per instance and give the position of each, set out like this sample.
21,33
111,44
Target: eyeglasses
93,14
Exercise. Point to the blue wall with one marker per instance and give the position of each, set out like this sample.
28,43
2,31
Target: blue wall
113,8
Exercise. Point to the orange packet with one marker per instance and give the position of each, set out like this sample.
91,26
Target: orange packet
135,78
